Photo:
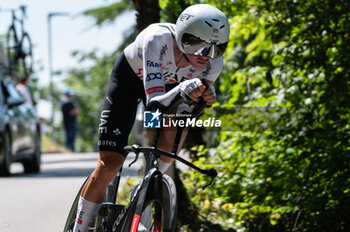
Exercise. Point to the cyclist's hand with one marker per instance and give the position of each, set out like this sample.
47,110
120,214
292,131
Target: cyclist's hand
193,88
197,92
209,95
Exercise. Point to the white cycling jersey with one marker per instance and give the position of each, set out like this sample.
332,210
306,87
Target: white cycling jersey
151,57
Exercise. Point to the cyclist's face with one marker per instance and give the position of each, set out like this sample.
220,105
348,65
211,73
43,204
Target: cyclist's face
198,62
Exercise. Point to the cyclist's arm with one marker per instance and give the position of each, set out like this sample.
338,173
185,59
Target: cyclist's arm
153,79
193,88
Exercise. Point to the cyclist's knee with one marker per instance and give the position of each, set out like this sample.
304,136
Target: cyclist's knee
109,164
166,141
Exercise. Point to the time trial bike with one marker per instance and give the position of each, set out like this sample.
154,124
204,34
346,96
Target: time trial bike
152,205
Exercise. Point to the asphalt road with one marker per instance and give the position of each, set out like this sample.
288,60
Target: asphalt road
41,202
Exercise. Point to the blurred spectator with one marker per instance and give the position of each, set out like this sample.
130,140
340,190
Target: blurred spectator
3,57
42,126
23,89
70,112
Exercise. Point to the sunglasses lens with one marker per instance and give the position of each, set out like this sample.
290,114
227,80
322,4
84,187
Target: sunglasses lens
219,50
192,44
195,46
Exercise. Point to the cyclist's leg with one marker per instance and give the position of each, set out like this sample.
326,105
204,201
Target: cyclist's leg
93,192
165,143
109,163
116,121
107,166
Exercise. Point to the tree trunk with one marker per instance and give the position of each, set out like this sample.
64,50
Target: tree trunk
148,12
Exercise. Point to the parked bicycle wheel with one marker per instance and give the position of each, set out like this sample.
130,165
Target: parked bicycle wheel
12,47
26,55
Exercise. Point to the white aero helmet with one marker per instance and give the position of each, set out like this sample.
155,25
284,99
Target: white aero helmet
202,30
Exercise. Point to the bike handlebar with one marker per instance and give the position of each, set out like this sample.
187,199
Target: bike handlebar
181,97
156,152
200,105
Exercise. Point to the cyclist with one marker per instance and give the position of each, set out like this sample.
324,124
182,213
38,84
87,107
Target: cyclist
162,54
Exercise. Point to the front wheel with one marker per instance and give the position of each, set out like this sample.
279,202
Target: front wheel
158,215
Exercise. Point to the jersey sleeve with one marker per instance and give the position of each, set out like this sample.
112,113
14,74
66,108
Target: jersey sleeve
153,79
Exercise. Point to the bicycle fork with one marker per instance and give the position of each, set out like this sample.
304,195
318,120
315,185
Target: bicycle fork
154,190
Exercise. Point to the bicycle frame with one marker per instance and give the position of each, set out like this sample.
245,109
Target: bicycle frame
122,219
153,174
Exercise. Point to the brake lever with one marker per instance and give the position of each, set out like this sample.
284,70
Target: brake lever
212,173
133,148
136,158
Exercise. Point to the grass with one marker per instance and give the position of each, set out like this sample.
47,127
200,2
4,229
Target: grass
50,146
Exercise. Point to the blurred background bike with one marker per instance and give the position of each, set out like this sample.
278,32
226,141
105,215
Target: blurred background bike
18,43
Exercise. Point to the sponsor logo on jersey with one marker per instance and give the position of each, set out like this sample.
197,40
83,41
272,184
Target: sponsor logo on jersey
169,80
163,52
156,89
153,64
139,53
109,100
168,76
154,76
207,70
107,143
102,128
117,131
139,74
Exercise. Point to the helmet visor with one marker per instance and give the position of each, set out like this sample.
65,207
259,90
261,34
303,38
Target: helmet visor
193,45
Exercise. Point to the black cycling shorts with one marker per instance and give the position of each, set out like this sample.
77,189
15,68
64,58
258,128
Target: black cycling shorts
124,92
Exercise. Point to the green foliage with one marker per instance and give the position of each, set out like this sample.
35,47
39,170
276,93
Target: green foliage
283,159
109,13
90,83
90,80
283,156
172,9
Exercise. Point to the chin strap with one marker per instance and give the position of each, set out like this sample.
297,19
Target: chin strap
186,58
